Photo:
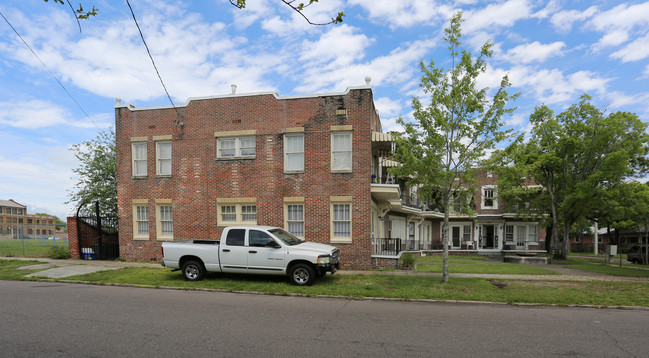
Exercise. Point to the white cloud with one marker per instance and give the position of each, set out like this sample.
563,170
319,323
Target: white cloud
635,51
388,107
34,114
395,68
504,14
341,45
552,86
563,20
618,24
534,52
404,13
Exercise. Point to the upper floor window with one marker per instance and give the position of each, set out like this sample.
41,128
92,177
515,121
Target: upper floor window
341,151
236,147
294,152
163,158
138,155
489,200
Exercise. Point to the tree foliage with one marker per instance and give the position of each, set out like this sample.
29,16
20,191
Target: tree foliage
580,157
97,173
449,136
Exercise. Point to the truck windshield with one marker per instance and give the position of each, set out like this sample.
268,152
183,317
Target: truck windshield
286,237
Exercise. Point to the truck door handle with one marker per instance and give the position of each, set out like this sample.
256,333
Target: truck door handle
252,252
226,250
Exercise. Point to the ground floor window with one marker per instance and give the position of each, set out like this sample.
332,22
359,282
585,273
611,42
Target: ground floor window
341,219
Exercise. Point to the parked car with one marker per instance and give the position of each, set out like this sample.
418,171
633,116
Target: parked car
253,250
638,254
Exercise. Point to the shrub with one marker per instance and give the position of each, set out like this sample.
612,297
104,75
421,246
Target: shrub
407,260
59,252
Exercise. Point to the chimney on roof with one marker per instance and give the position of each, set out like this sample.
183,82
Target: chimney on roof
234,89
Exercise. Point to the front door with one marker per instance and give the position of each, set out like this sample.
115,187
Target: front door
263,256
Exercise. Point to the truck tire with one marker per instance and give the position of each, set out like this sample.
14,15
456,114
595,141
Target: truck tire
302,274
193,270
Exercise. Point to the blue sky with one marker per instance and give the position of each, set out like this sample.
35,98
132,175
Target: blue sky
552,50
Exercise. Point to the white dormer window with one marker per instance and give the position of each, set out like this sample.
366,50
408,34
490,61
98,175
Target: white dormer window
489,199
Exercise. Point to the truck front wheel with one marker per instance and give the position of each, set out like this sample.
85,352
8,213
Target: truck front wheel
302,275
193,270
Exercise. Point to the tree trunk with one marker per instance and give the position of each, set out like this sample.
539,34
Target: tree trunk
445,242
566,239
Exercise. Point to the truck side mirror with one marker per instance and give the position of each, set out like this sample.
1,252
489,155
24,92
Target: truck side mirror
273,244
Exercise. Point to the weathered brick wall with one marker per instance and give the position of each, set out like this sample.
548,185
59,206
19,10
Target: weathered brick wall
198,179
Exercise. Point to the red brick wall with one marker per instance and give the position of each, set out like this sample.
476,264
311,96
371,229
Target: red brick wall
73,239
198,179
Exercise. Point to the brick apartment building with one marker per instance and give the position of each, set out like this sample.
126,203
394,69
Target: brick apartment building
16,223
314,164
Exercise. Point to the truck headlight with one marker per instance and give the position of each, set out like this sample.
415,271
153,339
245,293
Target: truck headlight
324,260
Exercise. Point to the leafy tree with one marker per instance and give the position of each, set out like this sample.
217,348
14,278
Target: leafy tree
97,173
577,156
441,148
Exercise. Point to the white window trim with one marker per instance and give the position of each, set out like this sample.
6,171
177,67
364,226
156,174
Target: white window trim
158,223
350,150
286,153
134,160
238,203
295,201
337,200
237,136
158,159
494,198
138,203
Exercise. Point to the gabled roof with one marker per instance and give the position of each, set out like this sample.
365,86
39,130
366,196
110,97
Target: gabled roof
12,204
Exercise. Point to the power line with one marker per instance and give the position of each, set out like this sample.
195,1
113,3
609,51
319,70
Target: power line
48,70
177,122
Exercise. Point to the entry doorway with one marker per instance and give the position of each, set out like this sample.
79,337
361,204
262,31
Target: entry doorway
488,236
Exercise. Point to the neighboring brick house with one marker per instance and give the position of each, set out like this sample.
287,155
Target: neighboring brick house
491,230
16,223
314,164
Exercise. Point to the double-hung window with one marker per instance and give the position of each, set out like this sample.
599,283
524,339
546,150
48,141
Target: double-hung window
138,156
294,152
341,151
140,219
236,145
237,211
341,219
163,158
164,219
295,219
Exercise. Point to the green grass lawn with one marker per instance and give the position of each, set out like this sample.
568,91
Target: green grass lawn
33,247
486,268
369,286
452,259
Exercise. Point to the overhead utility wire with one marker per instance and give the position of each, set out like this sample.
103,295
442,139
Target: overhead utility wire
178,121
48,70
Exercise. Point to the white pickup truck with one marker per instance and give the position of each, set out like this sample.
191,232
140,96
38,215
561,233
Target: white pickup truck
254,250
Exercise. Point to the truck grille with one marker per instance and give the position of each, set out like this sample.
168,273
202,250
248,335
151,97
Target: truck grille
335,256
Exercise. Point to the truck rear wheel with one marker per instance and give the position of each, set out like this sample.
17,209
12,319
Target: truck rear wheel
302,275
193,270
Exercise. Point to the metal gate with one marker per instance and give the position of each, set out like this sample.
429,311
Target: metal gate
98,236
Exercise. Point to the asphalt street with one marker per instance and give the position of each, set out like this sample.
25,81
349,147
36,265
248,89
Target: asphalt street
52,319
